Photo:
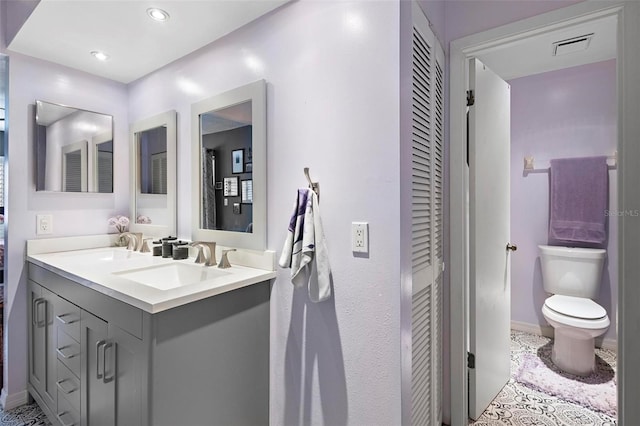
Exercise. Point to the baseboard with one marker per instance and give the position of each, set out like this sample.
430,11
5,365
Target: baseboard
547,331
14,400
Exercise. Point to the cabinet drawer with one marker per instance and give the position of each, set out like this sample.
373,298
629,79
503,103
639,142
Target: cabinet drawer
68,318
68,351
66,415
68,386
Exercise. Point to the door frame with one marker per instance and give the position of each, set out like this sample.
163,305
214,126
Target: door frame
628,72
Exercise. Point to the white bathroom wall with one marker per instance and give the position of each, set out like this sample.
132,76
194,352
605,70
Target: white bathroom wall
73,214
333,93
558,114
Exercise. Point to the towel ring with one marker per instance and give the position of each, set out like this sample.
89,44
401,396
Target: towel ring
315,186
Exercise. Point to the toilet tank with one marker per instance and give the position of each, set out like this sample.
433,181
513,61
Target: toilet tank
572,271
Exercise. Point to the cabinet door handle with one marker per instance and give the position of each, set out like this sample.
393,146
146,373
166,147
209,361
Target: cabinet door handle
99,344
107,379
66,391
36,312
62,354
62,320
65,413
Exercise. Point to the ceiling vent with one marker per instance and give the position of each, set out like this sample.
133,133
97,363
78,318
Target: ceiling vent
570,45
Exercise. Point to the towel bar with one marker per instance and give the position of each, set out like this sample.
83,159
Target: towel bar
612,163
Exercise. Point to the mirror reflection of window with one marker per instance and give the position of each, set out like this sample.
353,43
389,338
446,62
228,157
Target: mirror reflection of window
224,132
74,167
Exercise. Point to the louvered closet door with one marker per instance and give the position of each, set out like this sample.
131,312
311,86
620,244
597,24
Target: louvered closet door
74,167
427,219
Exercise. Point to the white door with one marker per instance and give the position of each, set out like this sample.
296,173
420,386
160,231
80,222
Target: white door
489,275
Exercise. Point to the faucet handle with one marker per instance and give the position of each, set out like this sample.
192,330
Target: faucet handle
200,257
144,248
224,262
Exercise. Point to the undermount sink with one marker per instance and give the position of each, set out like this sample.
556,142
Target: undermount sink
104,255
172,275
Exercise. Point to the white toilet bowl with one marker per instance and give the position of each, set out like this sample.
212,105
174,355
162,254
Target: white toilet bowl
576,321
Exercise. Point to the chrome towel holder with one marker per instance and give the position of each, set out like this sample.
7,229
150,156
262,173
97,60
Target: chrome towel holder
314,186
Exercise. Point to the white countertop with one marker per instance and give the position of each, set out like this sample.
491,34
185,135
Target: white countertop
95,268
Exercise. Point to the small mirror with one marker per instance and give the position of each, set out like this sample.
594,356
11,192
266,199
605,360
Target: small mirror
74,149
153,175
229,168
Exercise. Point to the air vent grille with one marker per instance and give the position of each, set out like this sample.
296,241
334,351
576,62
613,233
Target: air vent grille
571,45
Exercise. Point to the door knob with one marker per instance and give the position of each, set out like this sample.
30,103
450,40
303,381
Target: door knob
512,247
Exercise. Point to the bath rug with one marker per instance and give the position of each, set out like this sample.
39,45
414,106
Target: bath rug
596,391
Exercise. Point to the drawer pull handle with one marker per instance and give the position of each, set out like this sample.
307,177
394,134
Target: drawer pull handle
99,344
62,354
66,391
64,321
63,414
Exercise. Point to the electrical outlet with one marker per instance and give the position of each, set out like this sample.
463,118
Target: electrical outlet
360,237
44,224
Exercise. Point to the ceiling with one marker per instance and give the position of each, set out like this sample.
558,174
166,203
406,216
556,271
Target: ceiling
533,55
66,32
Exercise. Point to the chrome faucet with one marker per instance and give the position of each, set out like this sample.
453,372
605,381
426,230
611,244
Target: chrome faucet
135,240
206,256
224,262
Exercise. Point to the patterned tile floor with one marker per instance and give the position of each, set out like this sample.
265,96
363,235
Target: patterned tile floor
517,405
27,415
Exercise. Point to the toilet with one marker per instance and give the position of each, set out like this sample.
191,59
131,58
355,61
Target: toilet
573,276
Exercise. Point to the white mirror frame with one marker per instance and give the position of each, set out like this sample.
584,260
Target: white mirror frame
169,120
256,93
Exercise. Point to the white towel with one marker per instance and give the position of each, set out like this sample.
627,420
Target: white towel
305,248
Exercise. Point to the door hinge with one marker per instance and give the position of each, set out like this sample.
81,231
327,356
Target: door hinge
471,360
471,98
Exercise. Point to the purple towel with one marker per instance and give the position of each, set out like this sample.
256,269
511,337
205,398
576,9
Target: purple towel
579,196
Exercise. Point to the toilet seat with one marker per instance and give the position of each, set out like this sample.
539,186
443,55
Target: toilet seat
576,312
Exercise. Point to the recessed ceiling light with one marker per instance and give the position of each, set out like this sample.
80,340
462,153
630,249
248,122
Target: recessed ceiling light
157,14
101,56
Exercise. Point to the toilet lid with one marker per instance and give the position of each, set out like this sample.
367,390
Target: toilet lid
577,307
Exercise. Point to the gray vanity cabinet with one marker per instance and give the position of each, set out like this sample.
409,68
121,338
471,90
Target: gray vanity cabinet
83,370
112,371
201,363
96,379
42,353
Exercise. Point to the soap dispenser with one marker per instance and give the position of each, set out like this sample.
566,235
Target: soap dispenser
167,246
180,250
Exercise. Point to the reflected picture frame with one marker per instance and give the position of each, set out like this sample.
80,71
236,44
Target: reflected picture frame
237,161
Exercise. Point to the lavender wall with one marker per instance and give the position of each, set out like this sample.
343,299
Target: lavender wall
566,113
73,214
332,104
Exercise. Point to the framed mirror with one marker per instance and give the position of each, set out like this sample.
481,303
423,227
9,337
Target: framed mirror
74,149
153,175
229,168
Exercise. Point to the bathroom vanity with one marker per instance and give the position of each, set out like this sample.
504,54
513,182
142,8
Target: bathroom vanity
106,348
